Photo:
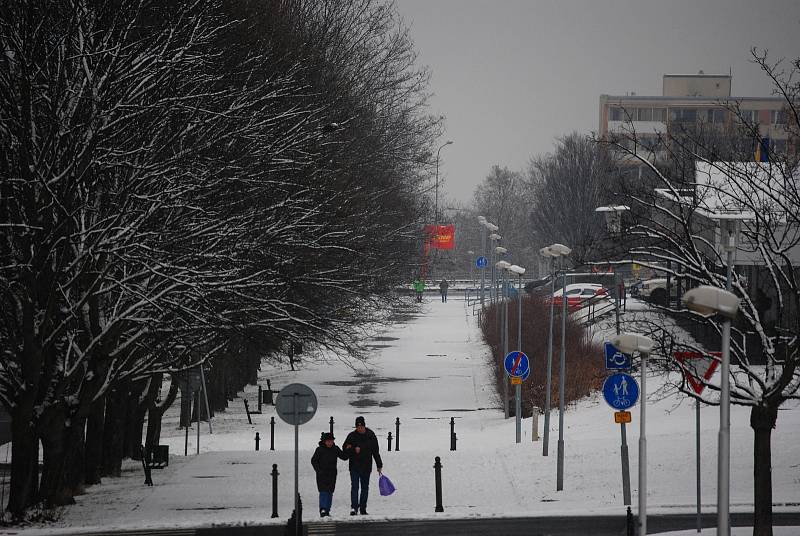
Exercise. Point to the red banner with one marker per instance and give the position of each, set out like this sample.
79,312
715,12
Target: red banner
440,237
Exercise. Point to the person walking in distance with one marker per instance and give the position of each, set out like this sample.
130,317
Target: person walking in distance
360,447
443,284
419,288
324,463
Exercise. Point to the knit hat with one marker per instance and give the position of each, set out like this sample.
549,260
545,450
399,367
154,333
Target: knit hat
360,420
326,436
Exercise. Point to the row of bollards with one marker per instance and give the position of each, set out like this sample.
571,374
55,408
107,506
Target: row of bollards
437,472
390,437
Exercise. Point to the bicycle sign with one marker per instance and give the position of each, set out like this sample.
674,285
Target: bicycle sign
621,391
517,364
481,262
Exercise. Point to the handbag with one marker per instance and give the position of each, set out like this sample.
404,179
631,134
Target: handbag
385,485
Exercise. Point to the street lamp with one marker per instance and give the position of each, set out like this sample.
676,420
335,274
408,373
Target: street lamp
519,270
562,371
503,314
629,343
436,194
490,228
707,300
494,237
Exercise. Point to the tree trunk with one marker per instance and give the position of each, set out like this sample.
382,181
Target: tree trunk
94,441
157,412
113,431
762,421
24,490
53,490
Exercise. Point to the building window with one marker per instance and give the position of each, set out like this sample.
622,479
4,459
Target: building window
749,116
778,117
715,115
644,114
683,115
659,114
616,113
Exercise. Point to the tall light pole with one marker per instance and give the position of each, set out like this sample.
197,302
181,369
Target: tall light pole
629,343
494,237
707,300
552,255
436,202
503,315
563,250
488,228
519,270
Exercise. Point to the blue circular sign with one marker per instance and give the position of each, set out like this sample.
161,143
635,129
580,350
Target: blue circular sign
621,391
481,262
517,364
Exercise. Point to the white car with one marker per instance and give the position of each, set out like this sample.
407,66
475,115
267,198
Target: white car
579,293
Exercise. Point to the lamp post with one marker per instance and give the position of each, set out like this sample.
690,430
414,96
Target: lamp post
519,270
436,204
490,228
550,254
494,237
629,343
708,300
562,370
501,267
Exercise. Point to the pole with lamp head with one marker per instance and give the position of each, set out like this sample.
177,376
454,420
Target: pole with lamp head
552,255
484,231
494,237
707,300
436,203
519,270
562,371
501,267
629,343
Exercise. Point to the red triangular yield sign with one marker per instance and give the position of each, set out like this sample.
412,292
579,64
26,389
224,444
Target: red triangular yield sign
698,365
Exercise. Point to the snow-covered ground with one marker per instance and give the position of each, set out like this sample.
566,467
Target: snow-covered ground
425,370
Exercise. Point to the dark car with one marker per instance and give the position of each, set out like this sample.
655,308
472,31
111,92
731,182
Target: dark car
538,286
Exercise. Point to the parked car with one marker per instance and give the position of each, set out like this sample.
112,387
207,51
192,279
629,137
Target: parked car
578,294
655,290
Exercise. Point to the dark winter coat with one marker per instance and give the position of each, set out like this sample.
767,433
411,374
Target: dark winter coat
324,463
362,462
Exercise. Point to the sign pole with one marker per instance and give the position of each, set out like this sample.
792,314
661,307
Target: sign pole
518,390
205,395
626,470
296,465
697,428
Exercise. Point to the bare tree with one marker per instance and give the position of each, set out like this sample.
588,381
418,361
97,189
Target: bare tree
675,225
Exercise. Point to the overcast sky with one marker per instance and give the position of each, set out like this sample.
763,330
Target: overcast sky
511,76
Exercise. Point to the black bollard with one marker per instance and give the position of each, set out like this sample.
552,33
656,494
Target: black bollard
269,401
186,442
331,425
272,433
452,433
453,441
390,442
397,435
258,439
259,399
247,409
630,524
437,470
274,490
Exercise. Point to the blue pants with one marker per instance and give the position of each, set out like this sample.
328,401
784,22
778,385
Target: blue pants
325,500
357,478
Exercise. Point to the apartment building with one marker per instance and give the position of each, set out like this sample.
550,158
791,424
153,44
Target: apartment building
689,103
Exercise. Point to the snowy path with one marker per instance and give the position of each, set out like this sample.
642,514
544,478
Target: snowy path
425,371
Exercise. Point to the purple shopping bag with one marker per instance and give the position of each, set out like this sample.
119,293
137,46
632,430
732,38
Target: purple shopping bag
385,485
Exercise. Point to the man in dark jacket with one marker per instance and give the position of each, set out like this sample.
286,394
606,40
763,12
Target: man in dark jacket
324,463
360,447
